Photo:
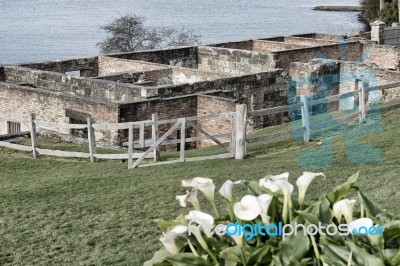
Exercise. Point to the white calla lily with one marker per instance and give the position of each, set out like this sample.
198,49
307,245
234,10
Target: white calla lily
205,185
264,201
168,239
357,224
344,208
189,197
238,238
226,189
182,199
268,184
286,189
200,218
247,209
303,183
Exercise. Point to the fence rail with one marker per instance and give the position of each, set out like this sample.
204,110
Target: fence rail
234,148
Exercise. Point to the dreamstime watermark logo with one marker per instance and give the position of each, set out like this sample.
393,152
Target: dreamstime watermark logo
253,230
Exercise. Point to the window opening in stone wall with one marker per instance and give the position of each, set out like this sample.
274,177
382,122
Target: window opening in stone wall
13,127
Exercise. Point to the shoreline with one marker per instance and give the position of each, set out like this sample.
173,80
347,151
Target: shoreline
339,8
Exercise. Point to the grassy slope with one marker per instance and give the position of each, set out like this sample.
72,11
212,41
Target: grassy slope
67,211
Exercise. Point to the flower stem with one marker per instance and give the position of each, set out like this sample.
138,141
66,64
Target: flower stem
193,249
215,208
316,251
243,258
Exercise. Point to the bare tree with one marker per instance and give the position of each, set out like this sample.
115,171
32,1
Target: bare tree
129,33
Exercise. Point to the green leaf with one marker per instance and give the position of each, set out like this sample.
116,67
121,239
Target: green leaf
392,231
231,254
392,256
180,220
158,258
340,191
187,259
362,257
306,218
370,208
292,250
333,254
258,255
254,187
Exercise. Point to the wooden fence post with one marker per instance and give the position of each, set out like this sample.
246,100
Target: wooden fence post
361,102
232,144
92,140
305,118
33,136
183,140
130,146
155,135
241,121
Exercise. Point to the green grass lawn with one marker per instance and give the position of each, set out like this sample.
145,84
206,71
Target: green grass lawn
71,212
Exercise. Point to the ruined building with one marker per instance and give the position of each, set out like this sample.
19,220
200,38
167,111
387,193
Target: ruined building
192,81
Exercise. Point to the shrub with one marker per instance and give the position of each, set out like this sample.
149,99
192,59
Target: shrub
271,208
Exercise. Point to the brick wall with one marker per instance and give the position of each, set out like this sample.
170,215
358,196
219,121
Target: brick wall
245,45
109,65
270,46
383,56
234,61
308,41
215,105
51,107
353,52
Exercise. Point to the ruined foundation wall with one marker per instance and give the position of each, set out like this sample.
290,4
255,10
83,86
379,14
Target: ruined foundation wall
387,57
109,65
183,56
308,41
270,46
87,66
353,52
93,88
234,61
19,102
214,105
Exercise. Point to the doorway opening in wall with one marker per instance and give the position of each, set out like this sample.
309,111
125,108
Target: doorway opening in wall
13,127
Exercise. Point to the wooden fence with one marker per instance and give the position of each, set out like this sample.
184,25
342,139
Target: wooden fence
235,148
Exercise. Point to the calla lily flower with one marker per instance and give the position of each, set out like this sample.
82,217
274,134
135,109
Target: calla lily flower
303,182
356,224
344,208
268,184
247,209
226,189
205,185
236,237
264,201
200,218
189,197
287,190
168,239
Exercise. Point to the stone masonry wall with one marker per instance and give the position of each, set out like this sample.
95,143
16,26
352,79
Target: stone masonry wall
308,41
387,57
270,46
109,65
19,102
353,52
234,61
93,88
182,56
87,66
